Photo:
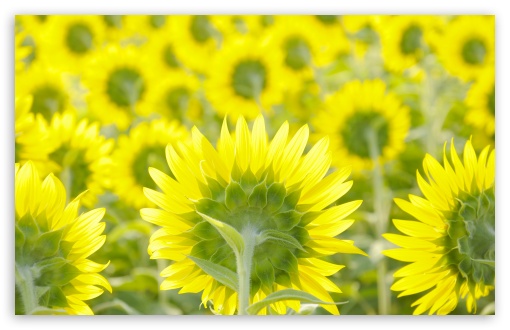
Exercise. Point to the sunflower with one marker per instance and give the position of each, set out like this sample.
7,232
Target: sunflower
118,82
362,30
452,245
161,48
467,46
175,97
79,156
362,116
244,77
115,28
330,35
260,189
234,26
481,101
21,51
50,91
295,38
52,247
197,39
69,41
31,142
144,147
145,25
404,40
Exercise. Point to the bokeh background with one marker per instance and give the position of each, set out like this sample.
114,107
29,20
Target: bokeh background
99,97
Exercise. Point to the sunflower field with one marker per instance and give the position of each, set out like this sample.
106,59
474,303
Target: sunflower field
254,164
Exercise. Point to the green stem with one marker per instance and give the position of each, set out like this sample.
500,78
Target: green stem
26,287
381,219
244,263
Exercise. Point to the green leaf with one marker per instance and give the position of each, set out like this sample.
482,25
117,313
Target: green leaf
205,230
279,238
212,208
284,260
248,181
58,277
221,274
258,197
49,264
235,196
275,196
491,263
287,220
287,294
265,272
54,297
229,233
47,244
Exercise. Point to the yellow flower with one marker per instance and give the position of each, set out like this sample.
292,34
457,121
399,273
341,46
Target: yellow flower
21,51
467,46
31,134
235,26
115,28
68,42
244,78
146,25
161,48
54,274
451,246
197,39
50,91
118,81
330,35
404,40
481,102
295,38
362,30
357,111
79,156
268,189
175,96
144,147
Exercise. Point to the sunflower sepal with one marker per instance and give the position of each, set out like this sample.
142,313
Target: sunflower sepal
221,274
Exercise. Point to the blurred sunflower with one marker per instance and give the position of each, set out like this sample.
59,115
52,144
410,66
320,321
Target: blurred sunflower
295,38
481,101
161,47
144,147
115,28
467,46
52,246
69,41
330,35
31,134
362,30
21,51
452,245
198,40
362,116
234,26
118,80
175,97
260,188
244,78
146,25
80,156
404,40
50,91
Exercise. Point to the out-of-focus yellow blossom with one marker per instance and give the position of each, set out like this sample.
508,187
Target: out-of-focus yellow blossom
144,147
365,122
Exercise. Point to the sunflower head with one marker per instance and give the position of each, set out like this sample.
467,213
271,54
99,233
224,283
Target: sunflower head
52,247
79,155
268,192
365,123
452,245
